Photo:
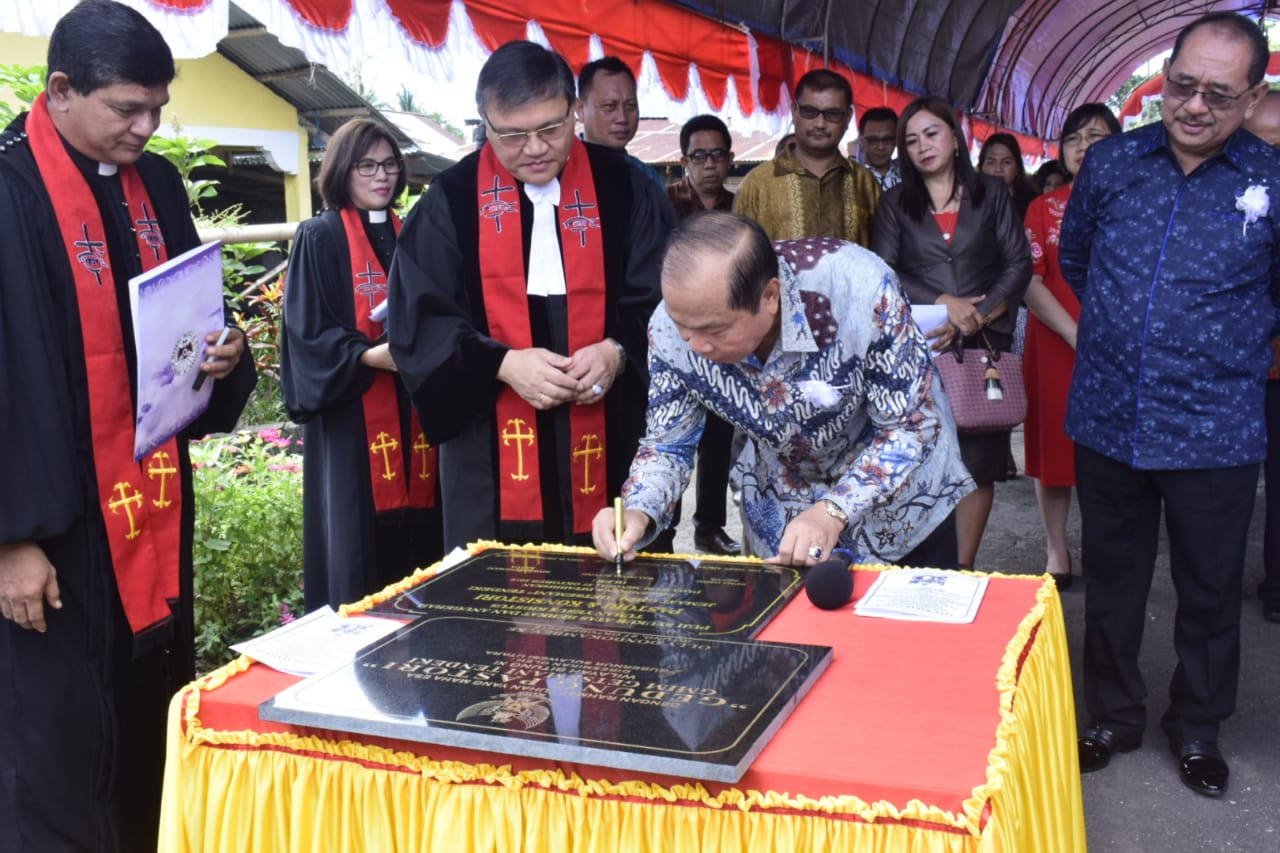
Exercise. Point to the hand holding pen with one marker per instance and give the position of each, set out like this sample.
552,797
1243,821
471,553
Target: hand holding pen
614,543
221,355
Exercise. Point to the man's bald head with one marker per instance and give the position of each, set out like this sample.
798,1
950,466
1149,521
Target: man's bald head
1265,121
720,286
729,242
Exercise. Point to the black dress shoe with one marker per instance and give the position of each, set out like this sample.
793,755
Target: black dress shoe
1201,767
1271,611
716,542
1098,743
1062,580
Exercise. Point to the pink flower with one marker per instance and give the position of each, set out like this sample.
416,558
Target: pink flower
282,442
271,435
286,615
196,466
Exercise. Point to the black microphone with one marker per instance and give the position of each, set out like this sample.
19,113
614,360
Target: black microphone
829,584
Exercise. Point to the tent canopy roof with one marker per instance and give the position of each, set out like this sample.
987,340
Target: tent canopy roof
1023,65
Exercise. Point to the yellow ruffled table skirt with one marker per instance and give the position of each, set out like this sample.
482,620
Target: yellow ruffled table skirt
919,737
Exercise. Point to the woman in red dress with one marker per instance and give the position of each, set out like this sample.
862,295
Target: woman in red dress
1051,343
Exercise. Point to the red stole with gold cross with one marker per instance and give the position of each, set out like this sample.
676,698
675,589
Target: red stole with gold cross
393,487
506,305
141,501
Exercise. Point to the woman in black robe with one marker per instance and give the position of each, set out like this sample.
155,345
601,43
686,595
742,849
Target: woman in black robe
356,540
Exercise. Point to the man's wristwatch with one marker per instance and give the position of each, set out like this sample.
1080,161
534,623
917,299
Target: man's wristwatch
622,355
834,510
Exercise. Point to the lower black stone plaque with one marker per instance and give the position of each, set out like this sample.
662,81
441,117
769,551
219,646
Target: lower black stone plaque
671,700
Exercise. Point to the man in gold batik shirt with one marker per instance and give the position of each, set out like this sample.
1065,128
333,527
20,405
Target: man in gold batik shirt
810,189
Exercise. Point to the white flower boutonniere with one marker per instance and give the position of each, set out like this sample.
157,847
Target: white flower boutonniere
821,394
1254,204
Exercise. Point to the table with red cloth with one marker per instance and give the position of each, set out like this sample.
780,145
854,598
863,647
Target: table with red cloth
919,736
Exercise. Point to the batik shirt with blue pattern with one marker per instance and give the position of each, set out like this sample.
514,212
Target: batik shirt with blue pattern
1178,302
885,452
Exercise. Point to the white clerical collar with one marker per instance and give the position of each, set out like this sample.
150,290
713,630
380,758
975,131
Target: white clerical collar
550,191
377,217
546,266
106,170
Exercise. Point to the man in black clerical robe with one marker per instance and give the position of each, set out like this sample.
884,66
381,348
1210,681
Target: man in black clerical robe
442,310
83,689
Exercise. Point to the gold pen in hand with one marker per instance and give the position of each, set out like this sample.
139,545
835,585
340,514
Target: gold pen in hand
617,533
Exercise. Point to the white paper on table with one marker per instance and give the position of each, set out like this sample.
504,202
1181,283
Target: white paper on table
173,305
318,642
929,317
923,595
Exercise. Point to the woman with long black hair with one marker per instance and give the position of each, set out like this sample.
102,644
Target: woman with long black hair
954,240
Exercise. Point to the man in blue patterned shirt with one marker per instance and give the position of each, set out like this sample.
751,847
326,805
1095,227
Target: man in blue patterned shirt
1170,246
808,347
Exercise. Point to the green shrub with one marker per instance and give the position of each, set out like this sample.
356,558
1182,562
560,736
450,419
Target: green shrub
260,320
25,82
248,538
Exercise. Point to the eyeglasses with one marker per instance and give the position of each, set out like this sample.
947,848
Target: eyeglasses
832,115
1087,138
716,155
1213,100
369,168
518,139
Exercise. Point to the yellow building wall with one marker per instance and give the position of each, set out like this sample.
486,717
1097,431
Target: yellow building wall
210,93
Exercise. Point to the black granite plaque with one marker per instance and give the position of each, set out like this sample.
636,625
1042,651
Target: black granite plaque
724,598
671,700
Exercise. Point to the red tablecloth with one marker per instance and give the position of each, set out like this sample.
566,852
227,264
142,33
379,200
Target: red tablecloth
963,734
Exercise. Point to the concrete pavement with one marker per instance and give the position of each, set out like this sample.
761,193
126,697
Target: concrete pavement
1138,803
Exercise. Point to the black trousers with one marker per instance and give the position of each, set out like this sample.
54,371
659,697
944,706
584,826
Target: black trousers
1206,514
715,457
1269,589
717,449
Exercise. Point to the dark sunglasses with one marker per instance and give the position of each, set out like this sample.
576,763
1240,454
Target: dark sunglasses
717,155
